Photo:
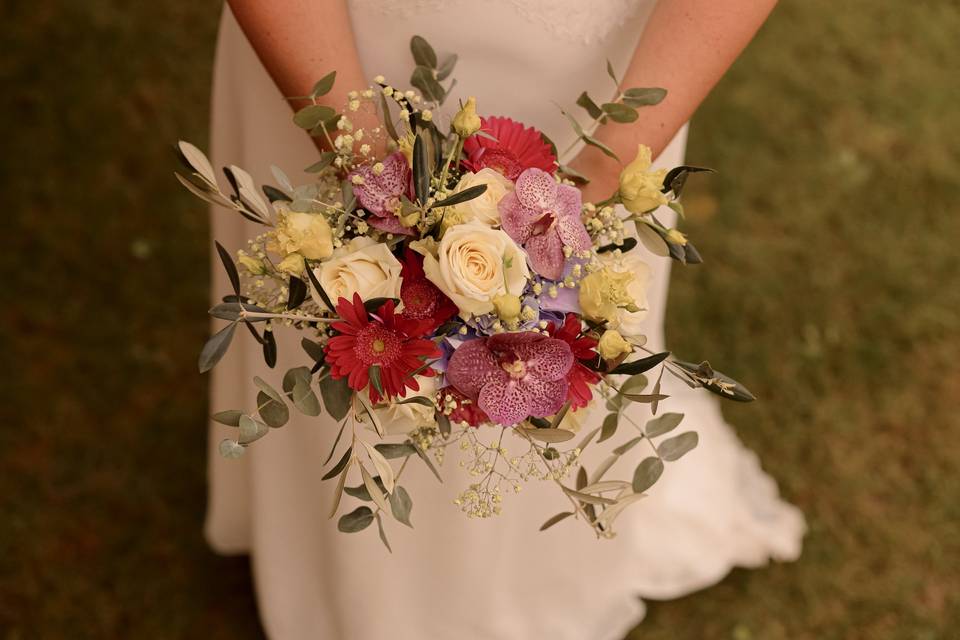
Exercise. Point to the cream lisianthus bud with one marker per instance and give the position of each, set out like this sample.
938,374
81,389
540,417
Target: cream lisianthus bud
308,234
640,187
676,237
467,122
292,264
612,345
253,265
507,306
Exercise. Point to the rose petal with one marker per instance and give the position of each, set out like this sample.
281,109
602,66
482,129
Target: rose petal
472,366
546,254
505,401
536,189
545,397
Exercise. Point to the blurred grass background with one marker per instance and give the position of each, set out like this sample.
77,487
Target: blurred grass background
832,288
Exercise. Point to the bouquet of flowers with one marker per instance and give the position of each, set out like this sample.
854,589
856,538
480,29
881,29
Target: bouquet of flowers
452,288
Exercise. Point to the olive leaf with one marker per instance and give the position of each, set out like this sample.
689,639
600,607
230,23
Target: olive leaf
609,427
641,365
663,424
380,462
357,520
555,519
676,178
548,435
391,450
463,196
269,348
229,267
647,473
421,169
716,382
423,79
326,159
383,534
340,466
423,53
215,347
298,292
401,505
674,448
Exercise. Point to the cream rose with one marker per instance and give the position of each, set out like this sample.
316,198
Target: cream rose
483,207
305,233
363,266
630,323
400,419
473,264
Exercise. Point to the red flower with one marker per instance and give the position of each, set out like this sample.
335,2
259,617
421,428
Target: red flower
383,340
515,148
422,300
464,409
579,377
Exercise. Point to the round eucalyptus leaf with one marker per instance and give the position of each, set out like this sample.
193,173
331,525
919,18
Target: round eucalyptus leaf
646,474
230,448
274,413
662,424
251,430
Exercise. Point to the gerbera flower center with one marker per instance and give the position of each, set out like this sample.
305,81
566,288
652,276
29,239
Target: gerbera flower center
377,345
419,299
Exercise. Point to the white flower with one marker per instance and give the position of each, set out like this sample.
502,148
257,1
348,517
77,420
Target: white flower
400,419
308,234
363,266
484,207
473,264
630,323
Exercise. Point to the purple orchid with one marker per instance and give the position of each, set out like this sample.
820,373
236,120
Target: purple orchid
380,193
512,376
544,217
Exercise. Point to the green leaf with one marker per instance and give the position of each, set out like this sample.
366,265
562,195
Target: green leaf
644,97
391,451
231,417
628,245
555,519
269,347
647,473
383,467
373,489
443,423
401,505
313,349
324,85
374,374
463,196
195,160
357,520
292,376
446,67
275,413
619,112
361,492
609,427
251,430
573,174
428,86
340,466
626,446
675,447
267,389
612,73
548,435
634,384
676,178
589,499
336,441
593,142
557,419
383,534
591,107
388,118
319,288
326,159
641,365
305,400
215,347
663,424
336,396
423,53
230,448
716,382
312,116
421,400
229,267
421,169
426,461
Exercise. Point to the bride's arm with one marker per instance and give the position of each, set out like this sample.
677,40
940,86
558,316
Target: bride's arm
300,41
686,48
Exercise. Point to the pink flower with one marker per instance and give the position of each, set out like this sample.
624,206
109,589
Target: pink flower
512,376
516,148
380,193
544,217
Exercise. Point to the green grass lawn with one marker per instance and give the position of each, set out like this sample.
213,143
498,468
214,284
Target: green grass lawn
831,287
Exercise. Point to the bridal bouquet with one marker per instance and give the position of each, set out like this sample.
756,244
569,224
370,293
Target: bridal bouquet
452,288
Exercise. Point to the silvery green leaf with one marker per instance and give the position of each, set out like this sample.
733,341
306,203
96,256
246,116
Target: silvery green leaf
401,505
586,497
675,447
626,446
591,107
229,267
604,466
305,400
231,311
376,494
388,118
281,177
338,492
462,196
644,97
656,391
357,520
247,191
619,112
647,398
611,513
651,240
231,417
340,466
313,349
383,467
640,366
324,85
555,519
209,195
294,375
274,413
609,426
251,430
230,448
581,481
264,386
383,534
548,435
336,441
428,86
634,384
312,116
664,424
336,396
587,439
198,161
423,53
426,461
215,347
326,158
605,486
391,451
716,382
593,142
446,67
647,473
557,419
612,73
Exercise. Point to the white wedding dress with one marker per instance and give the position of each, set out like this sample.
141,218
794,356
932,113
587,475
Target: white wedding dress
452,577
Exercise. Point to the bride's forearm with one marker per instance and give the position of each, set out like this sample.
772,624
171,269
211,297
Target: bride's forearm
686,48
300,41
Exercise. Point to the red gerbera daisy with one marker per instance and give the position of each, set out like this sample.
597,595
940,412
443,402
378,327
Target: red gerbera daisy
384,342
514,149
422,300
579,377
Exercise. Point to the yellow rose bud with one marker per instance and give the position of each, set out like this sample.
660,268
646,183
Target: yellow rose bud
674,236
640,187
612,345
253,265
292,264
467,122
507,306
603,292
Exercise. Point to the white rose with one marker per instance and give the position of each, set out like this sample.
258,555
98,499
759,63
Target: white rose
474,264
363,266
400,419
630,323
483,207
